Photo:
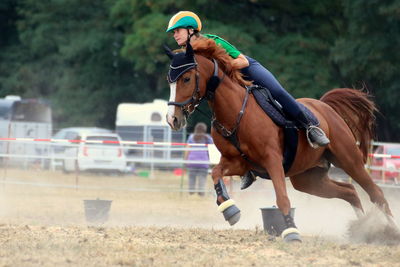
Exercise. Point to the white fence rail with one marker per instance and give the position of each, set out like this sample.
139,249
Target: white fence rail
48,155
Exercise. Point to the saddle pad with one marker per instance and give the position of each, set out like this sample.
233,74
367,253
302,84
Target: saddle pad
264,99
290,148
275,112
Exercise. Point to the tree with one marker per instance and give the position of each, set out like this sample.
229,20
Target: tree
71,56
367,54
86,57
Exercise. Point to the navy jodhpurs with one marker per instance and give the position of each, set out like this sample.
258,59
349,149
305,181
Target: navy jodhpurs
261,76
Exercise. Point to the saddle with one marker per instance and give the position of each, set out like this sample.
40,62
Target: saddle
274,110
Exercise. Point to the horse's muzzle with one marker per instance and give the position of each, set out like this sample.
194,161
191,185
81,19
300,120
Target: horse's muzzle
175,123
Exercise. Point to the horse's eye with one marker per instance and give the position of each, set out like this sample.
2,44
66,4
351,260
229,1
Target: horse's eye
186,79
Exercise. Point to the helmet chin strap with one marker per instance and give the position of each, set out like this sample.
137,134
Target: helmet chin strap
189,35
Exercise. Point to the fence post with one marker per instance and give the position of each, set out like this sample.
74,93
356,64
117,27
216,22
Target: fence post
77,167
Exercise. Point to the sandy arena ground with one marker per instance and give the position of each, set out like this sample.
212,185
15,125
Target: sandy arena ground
152,223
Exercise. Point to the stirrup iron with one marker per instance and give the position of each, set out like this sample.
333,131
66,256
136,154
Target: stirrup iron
308,130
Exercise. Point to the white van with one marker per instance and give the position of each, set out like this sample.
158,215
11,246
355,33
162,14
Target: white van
96,152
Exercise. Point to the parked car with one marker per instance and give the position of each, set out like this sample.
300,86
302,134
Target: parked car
390,167
70,133
96,152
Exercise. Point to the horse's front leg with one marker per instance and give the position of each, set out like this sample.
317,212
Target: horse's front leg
277,175
226,205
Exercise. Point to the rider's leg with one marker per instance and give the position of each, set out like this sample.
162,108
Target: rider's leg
316,134
261,76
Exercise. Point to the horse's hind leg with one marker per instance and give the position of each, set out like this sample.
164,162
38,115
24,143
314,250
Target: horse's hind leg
359,211
316,182
349,158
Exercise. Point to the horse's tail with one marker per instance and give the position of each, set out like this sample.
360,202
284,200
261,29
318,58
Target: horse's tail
357,110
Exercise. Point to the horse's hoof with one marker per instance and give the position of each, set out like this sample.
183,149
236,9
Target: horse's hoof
234,218
391,222
230,211
291,235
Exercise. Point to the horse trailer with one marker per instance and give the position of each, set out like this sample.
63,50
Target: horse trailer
146,122
24,118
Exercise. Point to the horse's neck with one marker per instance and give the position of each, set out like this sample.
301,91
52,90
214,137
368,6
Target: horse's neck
228,101
229,95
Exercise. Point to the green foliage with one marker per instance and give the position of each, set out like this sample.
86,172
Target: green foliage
88,56
70,55
367,53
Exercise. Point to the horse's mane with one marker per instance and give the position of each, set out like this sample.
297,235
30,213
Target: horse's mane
209,49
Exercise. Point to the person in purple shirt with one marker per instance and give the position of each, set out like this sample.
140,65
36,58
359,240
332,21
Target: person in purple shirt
198,171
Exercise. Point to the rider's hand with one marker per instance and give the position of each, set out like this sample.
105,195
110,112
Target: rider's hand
240,62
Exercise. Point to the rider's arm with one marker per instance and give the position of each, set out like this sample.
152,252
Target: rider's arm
240,62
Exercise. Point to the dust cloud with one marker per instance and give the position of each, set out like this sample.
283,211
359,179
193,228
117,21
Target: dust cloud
375,227
329,218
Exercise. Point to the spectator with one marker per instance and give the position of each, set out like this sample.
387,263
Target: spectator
198,171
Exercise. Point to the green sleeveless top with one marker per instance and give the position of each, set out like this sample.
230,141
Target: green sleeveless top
230,49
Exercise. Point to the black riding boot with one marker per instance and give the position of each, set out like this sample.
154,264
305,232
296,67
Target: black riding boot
315,135
247,179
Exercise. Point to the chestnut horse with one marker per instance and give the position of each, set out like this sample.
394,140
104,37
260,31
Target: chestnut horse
346,116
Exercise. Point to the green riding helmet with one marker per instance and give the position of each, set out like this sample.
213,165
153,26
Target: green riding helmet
184,19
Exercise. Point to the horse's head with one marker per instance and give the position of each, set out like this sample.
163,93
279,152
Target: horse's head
183,80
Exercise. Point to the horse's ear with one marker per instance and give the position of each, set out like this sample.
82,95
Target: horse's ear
189,49
168,51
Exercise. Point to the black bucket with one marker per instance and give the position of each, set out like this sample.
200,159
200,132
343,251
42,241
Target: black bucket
273,221
97,210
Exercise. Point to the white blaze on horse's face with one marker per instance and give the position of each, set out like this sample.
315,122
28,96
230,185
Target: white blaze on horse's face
175,121
172,95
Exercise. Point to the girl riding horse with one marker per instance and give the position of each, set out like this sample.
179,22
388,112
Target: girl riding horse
186,26
347,115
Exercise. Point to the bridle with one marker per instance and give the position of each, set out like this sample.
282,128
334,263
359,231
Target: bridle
189,106
196,98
